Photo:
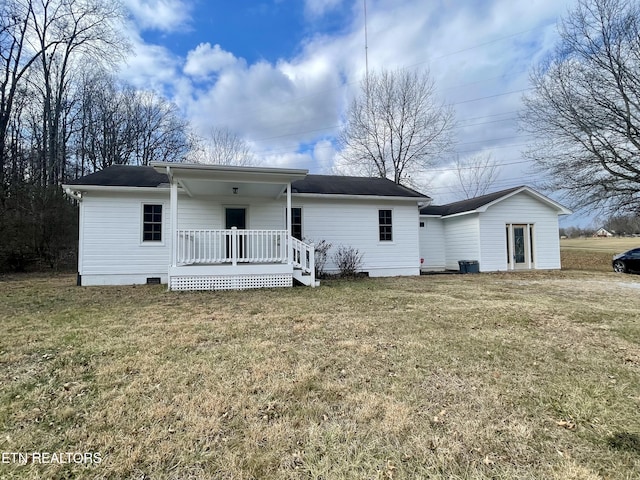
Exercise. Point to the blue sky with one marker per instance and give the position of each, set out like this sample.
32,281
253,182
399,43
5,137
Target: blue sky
281,73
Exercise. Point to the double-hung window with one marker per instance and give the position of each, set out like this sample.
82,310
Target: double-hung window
152,223
385,225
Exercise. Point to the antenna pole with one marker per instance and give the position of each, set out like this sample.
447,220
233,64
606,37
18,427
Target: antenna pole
366,47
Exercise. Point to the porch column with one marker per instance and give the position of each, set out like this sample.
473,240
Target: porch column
174,222
289,241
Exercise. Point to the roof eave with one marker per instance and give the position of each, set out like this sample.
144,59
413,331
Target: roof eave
161,167
111,188
362,197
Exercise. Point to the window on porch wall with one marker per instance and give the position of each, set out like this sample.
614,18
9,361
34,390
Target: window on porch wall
296,222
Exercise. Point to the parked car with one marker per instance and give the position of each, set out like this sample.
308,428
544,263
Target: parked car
627,262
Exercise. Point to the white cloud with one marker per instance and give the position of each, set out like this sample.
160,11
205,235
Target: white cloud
206,60
317,8
163,15
278,107
150,67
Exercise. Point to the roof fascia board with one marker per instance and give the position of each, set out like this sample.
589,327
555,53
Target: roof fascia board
117,188
181,168
538,196
360,197
460,214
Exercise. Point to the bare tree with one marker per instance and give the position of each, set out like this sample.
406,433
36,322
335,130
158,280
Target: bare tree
16,57
623,224
396,127
585,107
107,132
223,147
161,133
475,175
70,34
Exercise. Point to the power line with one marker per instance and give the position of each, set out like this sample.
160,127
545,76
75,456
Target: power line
454,169
494,115
338,126
495,139
492,96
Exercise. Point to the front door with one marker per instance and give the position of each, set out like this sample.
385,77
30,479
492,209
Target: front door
520,246
236,217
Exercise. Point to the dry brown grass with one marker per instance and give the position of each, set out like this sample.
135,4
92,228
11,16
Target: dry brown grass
586,260
611,245
593,254
519,375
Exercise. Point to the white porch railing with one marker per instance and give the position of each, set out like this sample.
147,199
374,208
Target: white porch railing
303,256
201,247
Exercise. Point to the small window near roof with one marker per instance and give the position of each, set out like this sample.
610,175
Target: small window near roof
152,223
385,225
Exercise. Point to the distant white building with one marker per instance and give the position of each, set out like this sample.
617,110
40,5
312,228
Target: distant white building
603,233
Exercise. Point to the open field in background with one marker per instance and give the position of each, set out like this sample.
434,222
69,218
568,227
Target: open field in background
519,375
593,254
611,245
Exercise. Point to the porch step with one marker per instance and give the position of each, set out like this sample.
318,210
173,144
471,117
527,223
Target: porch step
304,278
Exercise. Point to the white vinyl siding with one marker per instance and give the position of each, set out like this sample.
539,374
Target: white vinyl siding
208,213
340,222
355,223
462,240
111,239
112,251
432,244
521,209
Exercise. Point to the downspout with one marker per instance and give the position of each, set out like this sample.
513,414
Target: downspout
174,219
77,196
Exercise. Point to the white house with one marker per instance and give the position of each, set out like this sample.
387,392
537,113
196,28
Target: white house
603,232
204,227
201,227
511,229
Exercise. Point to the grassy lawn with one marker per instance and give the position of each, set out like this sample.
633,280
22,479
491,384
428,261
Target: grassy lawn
520,375
593,253
610,246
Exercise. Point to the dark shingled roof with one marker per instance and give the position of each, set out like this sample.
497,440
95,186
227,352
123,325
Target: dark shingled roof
341,185
135,176
466,205
123,176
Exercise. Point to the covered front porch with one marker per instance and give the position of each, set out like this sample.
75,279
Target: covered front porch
230,229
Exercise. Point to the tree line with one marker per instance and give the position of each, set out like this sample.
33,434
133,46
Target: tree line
64,114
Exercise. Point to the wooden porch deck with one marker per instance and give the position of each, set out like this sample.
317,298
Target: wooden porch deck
239,259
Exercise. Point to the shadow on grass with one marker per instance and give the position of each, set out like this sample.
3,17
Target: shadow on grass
625,441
